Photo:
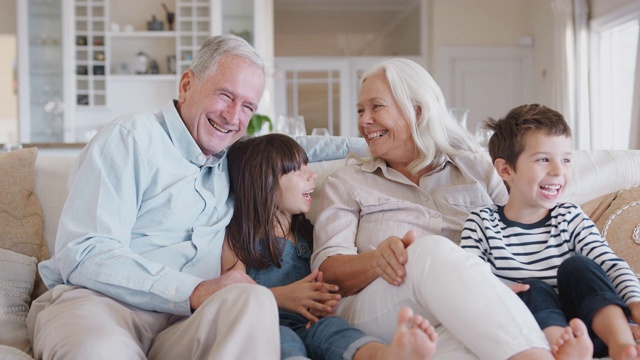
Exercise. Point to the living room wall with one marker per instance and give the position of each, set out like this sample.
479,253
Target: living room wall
8,97
486,22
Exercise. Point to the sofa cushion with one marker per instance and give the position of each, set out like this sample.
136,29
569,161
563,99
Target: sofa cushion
20,211
11,353
17,275
617,216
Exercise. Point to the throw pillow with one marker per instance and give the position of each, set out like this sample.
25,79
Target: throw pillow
17,274
620,226
21,227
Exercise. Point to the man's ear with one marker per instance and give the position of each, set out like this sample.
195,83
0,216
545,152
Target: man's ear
503,169
186,79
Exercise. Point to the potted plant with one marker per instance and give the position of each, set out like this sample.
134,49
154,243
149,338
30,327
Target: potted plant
255,124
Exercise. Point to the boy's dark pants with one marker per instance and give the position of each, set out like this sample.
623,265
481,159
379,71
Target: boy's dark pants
583,288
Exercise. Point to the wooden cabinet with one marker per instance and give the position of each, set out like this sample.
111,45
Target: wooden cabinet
112,62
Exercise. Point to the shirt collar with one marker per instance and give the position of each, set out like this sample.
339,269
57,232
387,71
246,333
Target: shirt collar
372,164
182,139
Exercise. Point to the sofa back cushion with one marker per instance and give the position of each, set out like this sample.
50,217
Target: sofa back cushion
21,227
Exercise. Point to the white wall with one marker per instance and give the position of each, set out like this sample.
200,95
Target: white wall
451,22
601,7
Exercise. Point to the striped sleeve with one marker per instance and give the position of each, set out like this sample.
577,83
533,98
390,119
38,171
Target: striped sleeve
473,237
588,242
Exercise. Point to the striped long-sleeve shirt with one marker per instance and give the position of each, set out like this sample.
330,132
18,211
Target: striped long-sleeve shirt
517,251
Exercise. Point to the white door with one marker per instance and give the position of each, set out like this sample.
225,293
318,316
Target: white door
324,90
488,80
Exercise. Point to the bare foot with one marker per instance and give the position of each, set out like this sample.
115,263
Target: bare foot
574,343
414,338
624,352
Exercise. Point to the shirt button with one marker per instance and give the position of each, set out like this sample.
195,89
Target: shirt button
172,292
172,305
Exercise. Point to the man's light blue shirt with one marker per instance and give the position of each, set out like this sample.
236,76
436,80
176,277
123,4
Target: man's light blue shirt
145,218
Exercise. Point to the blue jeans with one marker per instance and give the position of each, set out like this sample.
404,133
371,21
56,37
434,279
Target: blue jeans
331,337
583,289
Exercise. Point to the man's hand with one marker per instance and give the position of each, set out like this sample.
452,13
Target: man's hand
390,257
208,287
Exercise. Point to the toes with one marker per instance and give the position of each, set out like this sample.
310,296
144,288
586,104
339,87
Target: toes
578,327
405,317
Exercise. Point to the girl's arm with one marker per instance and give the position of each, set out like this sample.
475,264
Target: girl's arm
229,260
305,296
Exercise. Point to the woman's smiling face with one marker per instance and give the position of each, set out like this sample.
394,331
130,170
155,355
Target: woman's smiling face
382,123
217,110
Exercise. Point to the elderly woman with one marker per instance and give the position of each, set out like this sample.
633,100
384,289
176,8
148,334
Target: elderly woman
388,226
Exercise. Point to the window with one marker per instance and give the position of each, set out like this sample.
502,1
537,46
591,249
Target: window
614,47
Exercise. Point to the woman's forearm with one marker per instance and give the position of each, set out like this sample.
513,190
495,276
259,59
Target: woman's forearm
350,272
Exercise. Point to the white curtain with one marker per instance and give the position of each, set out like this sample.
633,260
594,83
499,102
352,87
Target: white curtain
634,134
571,88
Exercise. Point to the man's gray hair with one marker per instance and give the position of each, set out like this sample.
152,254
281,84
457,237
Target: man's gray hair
215,48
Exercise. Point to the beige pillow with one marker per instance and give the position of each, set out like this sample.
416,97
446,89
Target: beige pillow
620,225
21,227
17,273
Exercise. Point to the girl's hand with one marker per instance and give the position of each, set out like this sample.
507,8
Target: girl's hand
322,313
307,297
390,256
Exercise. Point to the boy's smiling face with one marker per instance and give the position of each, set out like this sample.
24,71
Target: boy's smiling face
542,172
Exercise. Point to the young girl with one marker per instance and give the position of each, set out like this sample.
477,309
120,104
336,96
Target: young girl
270,238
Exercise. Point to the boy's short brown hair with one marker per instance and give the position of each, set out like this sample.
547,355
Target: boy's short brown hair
507,141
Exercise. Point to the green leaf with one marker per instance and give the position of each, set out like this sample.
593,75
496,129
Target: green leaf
256,122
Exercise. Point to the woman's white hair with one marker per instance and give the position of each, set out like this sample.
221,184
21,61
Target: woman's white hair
434,130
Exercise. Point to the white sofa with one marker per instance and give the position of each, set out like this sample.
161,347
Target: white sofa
597,174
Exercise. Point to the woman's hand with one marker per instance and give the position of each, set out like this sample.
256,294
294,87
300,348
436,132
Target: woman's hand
308,297
390,256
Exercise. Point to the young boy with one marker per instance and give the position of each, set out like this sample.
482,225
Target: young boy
548,251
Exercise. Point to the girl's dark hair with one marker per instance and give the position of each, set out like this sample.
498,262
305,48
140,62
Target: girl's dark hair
255,167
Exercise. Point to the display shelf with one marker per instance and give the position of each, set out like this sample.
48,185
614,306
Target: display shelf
75,56
144,77
91,52
193,22
142,34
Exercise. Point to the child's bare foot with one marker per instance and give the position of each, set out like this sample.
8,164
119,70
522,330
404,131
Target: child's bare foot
574,343
624,352
414,338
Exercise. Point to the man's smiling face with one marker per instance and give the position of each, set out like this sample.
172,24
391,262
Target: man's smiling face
217,110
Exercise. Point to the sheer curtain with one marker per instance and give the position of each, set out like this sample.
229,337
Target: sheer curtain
571,87
634,136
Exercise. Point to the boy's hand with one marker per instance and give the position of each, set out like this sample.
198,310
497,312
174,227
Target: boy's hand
635,315
518,288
